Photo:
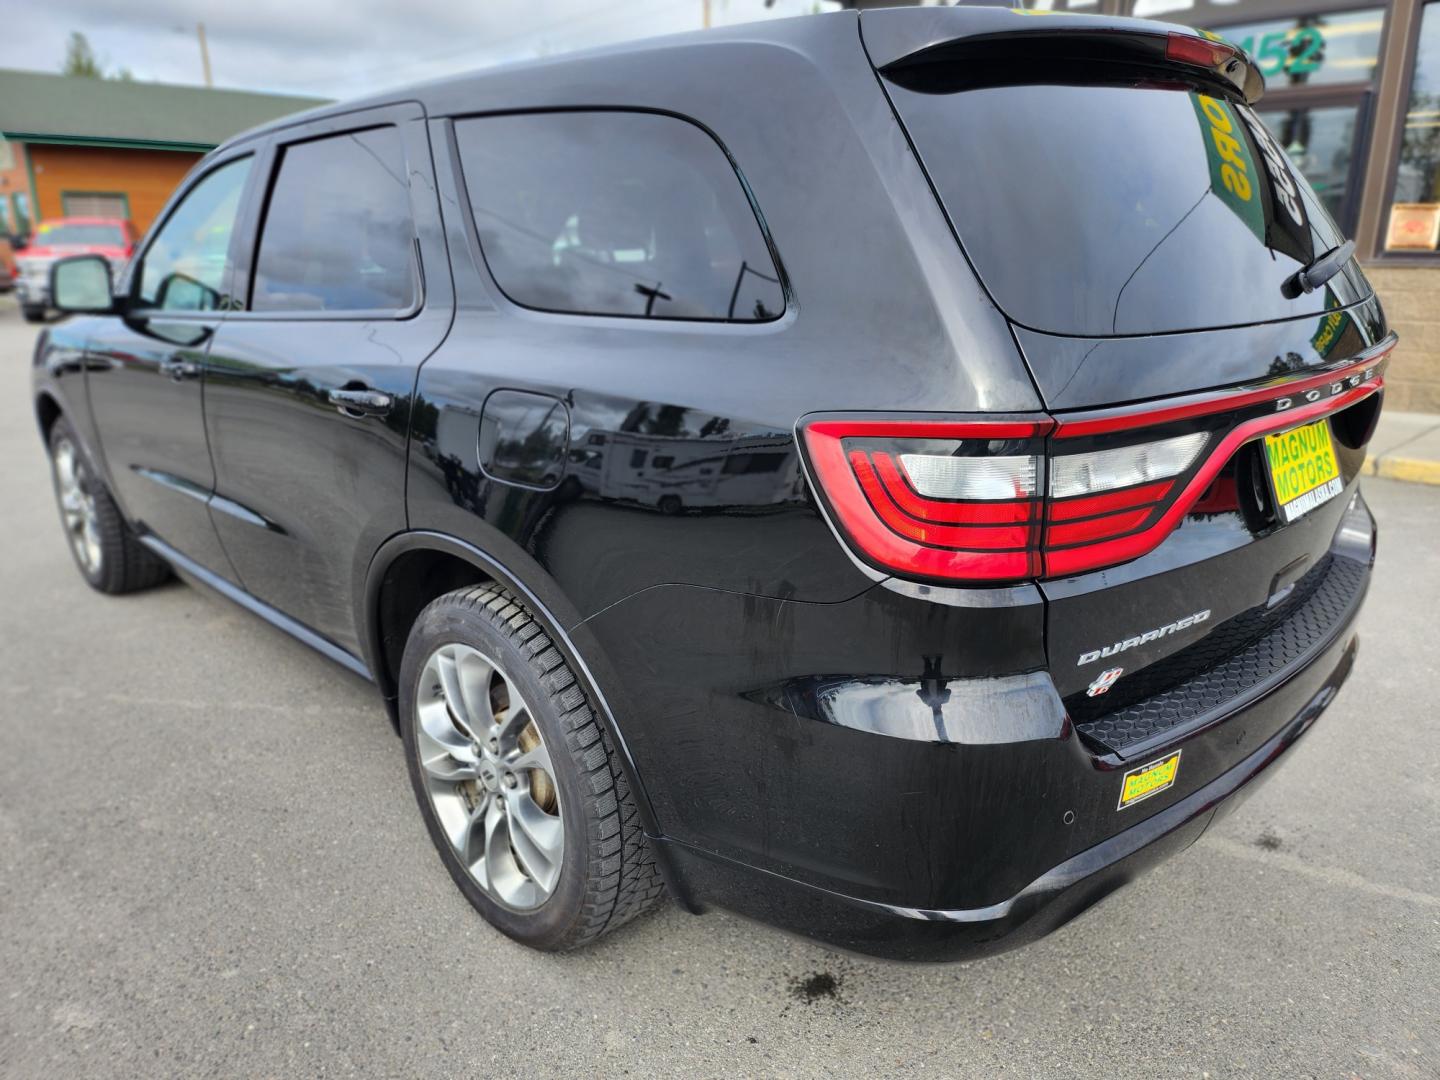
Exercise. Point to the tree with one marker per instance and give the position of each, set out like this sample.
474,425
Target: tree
80,61
80,58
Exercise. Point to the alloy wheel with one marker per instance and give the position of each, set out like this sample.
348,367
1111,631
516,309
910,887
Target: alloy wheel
77,507
489,776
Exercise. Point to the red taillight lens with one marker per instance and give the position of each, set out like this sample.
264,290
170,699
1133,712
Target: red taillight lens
966,502
935,500
1185,49
1004,500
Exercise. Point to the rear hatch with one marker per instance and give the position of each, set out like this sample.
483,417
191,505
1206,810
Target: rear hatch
1209,351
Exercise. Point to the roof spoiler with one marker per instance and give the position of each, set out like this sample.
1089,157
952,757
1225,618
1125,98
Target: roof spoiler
967,48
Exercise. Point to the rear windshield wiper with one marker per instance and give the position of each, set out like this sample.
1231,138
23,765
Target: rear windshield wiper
1309,278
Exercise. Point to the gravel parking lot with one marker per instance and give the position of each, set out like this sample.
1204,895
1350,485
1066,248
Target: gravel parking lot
211,865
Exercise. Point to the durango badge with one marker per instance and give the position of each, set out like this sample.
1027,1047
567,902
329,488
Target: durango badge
1104,681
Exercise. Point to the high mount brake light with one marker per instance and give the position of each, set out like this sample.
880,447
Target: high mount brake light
996,501
1185,49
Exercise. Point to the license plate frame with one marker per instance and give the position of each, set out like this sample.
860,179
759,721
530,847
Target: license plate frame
1302,467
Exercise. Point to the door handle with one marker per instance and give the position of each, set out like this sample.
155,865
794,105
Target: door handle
356,403
179,368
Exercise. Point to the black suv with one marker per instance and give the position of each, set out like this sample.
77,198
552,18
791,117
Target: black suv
891,475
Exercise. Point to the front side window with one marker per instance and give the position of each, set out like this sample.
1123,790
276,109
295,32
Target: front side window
338,232
616,213
1415,216
184,268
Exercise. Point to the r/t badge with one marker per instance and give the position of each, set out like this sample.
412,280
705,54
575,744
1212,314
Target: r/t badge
1104,681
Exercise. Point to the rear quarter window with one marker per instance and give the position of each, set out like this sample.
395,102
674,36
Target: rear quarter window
616,213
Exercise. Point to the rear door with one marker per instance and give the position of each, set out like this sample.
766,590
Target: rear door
144,371
344,290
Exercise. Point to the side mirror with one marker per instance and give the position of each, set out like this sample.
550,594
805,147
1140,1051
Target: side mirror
81,285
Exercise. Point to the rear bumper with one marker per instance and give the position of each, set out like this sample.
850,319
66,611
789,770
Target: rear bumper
1051,900
32,293
938,819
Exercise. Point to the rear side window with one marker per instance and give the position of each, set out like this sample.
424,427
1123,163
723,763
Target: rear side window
338,232
616,213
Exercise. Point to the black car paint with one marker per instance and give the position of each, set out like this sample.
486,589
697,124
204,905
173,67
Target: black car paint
958,809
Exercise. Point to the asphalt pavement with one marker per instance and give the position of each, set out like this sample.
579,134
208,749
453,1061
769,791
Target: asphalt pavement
211,865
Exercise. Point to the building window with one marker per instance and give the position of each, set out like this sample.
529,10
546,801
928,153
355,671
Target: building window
22,213
1415,215
1312,50
1321,143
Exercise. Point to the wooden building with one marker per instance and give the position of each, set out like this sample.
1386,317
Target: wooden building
78,146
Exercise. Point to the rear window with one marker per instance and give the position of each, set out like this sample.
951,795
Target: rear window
1101,210
616,213
81,235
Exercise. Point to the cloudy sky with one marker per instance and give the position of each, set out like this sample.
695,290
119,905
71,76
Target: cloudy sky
340,48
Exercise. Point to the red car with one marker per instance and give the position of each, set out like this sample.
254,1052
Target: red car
113,238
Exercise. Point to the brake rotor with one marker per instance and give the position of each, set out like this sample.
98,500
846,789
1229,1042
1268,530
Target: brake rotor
542,788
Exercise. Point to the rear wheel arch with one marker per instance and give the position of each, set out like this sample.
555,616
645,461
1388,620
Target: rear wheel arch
413,568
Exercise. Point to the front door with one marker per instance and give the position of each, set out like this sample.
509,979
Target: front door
145,371
309,382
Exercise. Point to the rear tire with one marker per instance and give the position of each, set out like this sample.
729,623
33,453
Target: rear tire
519,703
33,314
106,550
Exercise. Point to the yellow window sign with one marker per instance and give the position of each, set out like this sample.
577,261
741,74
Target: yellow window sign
1303,468
1149,780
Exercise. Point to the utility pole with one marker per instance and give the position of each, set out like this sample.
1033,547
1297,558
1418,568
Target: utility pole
705,14
205,52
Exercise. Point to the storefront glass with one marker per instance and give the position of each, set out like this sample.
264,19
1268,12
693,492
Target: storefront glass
1313,50
1321,143
1415,216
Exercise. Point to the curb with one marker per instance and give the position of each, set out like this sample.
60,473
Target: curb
1410,470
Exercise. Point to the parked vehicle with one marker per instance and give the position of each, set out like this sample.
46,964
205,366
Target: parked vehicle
1068,373
113,239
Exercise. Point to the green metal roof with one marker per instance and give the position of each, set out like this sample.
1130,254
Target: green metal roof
40,107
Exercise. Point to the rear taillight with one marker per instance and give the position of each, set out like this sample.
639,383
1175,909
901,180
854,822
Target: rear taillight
934,499
991,501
